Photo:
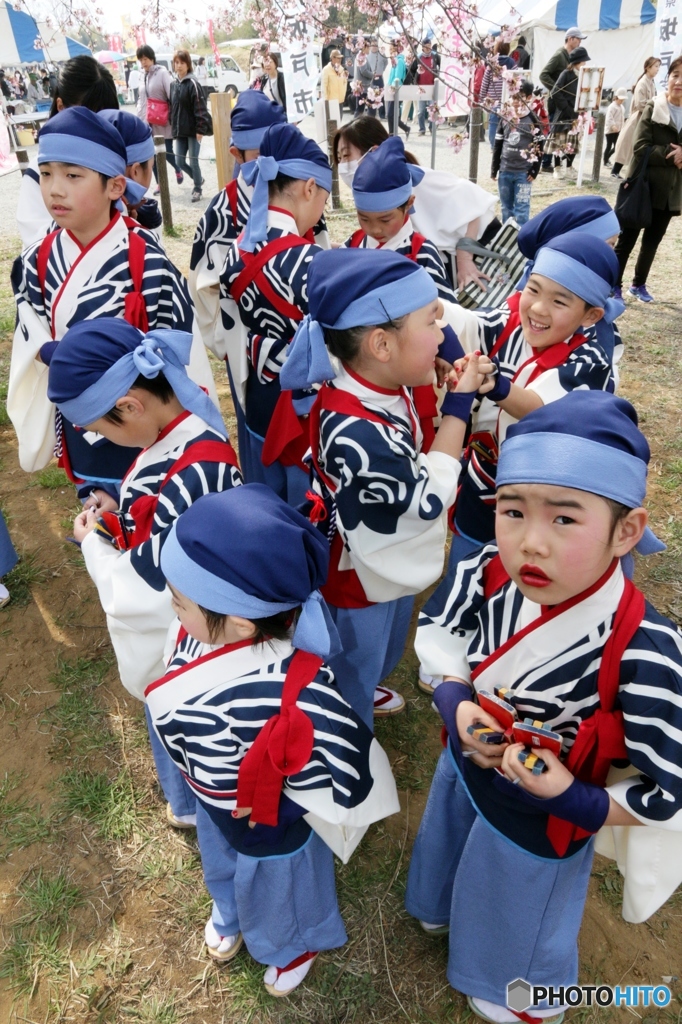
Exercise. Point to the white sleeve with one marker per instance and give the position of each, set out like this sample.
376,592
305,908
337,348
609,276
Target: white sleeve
30,410
33,219
445,205
138,617
466,325
407,561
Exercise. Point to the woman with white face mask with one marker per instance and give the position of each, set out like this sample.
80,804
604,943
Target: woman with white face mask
469,210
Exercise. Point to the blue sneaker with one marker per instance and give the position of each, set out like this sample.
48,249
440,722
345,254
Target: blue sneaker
618,293
639,291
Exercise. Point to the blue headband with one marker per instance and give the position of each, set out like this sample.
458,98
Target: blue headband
566,460
315,630
68,149
377,202
159,351
603,227
308,362
265,169
248,138
138,152
580,280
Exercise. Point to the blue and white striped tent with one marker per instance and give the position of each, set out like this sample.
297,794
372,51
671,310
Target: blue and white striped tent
620,32
20,38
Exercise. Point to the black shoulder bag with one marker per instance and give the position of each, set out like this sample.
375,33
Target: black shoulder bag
633,202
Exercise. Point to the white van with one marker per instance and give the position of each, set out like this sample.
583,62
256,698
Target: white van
229,76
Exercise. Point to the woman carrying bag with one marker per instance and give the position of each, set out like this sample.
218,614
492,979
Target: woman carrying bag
153,104
644,90
659,133
190,119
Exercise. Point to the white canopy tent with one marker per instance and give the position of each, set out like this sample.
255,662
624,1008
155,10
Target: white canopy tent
24,41
620,32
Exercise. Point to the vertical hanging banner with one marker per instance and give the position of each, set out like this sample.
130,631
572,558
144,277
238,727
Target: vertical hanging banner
299,64
455,89
667,37
214,47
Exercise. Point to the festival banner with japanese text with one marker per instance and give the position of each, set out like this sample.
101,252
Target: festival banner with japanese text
299,64
668,36
454,87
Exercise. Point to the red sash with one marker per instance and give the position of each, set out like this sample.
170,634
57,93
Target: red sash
282,747
143,509
135,309
343,587
287,437
601,737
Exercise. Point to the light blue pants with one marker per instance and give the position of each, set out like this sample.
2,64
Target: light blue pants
8,556
511,914
176,791
373,641
514,188
283,906
289,482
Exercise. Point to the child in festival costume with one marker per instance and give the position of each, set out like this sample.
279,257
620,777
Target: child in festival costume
97,263
139,143
547,613
263,283
283,770
108,377
383,192
542,351
384,501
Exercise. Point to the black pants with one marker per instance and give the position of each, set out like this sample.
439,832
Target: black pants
170,158
611,140
390,114
651,240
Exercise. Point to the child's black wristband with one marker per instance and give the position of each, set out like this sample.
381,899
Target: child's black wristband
450,347
502,386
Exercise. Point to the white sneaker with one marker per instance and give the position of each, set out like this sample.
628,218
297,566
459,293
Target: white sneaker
503,1015
4,595
280,981
180,820
558,173
387,702
435,929
221,947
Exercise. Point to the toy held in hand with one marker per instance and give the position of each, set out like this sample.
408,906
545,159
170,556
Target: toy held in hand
110,526
532,734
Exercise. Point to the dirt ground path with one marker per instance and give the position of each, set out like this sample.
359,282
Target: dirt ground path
103,904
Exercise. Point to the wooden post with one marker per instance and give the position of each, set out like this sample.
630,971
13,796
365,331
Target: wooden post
434,126
221,108
396,109
598,147
331,132
583,151
22,157
164,191
475,123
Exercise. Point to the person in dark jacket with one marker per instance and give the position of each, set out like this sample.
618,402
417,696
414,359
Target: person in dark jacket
521,54
189,119
516,157
556,64
660,130
272,81
563,139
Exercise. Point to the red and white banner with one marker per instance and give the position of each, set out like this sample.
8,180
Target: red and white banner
214,47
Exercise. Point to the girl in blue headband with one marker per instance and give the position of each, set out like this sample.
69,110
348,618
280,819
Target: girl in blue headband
97,263
370,339
383,193
544,621
283,770
139,143
133,389
263,285
549,348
